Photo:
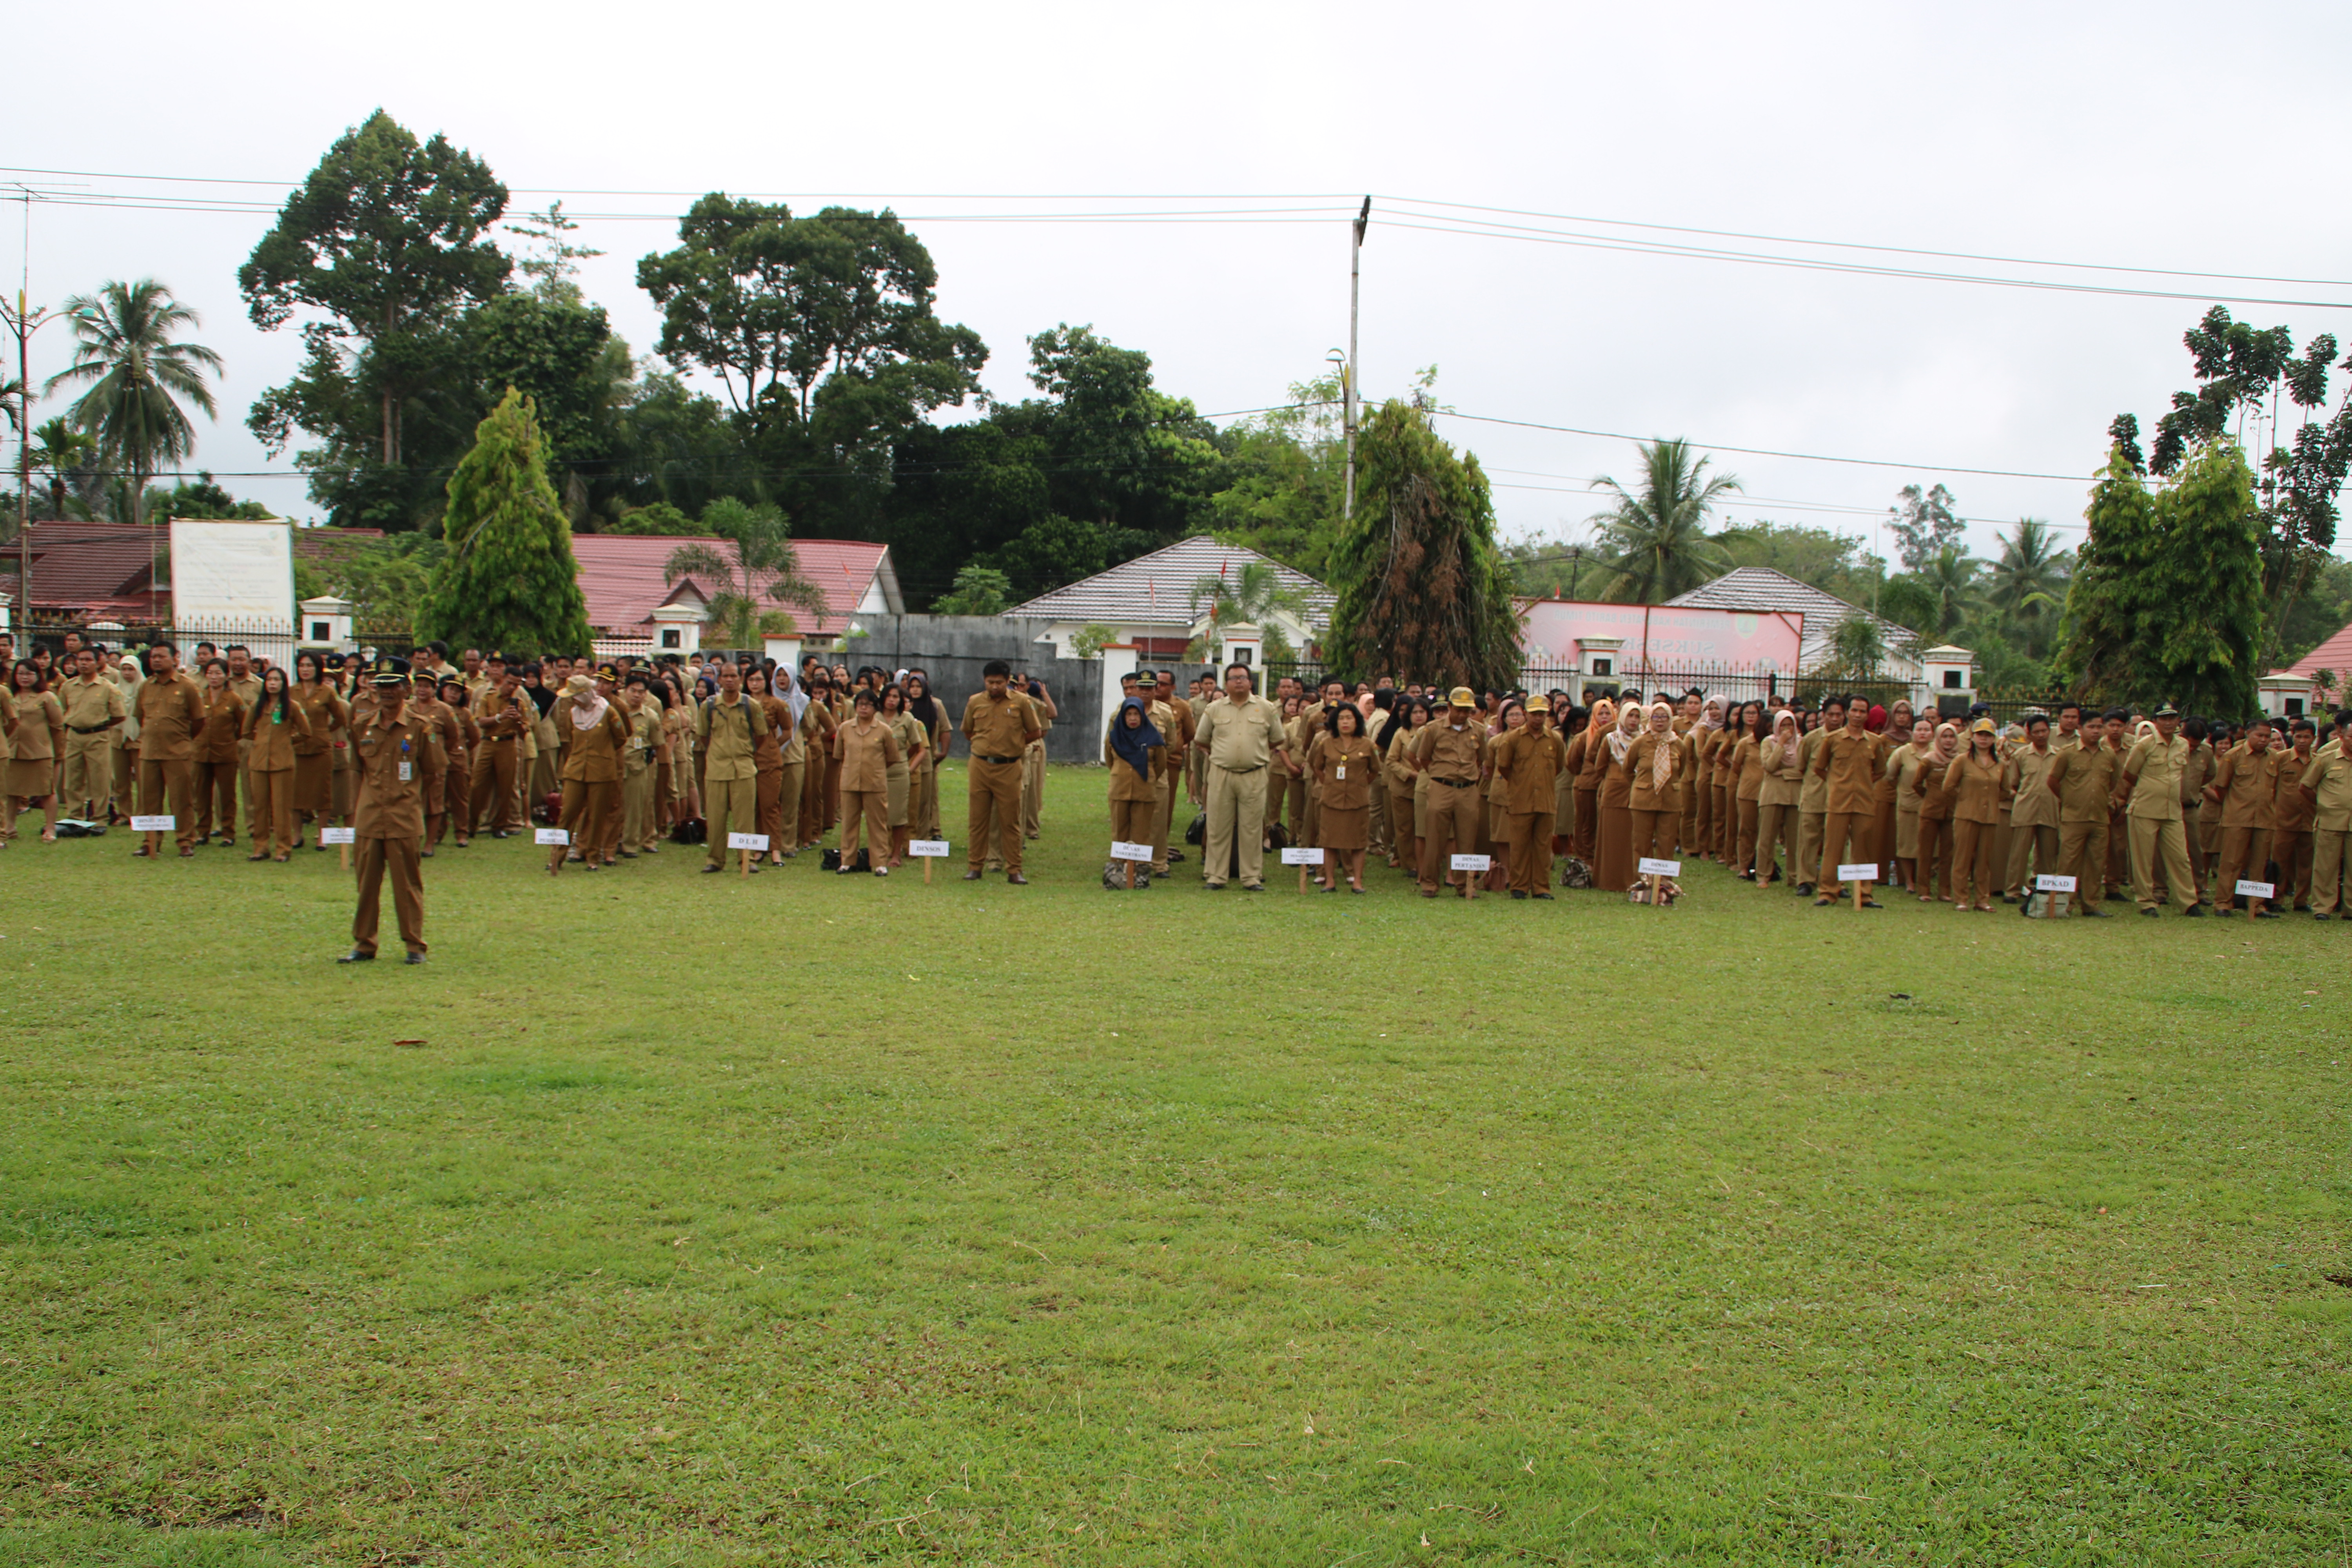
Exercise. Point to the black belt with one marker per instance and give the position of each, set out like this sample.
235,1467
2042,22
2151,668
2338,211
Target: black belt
1000,759
1457,783
88,728
1250,770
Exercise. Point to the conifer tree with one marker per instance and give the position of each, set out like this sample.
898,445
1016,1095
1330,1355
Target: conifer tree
509,580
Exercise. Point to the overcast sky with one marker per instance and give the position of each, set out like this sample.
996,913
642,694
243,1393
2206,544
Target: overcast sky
2153,136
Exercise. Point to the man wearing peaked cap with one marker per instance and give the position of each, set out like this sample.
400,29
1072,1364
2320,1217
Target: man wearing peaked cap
2149,793
1452,751
388,819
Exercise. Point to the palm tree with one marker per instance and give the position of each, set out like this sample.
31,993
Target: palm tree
137,373
1656,540
755,542
1951,577
1247,596
2029,579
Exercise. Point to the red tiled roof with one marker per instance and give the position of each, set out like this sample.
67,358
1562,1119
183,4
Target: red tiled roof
2334,654
76,563
626,577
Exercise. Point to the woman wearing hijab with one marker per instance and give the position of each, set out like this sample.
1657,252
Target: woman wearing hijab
1346,764
1613,871
1903,767
591,768
1656,765
1710,799
1746,768
818,724
1977,781
1934,876
273,726
1776,796
1136,754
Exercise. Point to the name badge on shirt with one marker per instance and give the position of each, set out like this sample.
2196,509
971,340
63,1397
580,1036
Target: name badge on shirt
404,772
1341,772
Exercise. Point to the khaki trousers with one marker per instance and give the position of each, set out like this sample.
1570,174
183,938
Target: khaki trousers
2331,869
126,778
2244,852
88,774
1777,825
216,792
1652,831
1839,829
1586,845
1135,821
1033,786
1236,807
866,825
1972,847
270,824
1743,843
589,810
1161,817
1451,815
398,859
729,806
791,788
994,806
1404,841
2040,840
1810,827
2153,839
1936,876
2083,855
2291,852
636,809
490,803
168,788
1531,852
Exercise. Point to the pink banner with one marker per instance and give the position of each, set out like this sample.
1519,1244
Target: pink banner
1730,642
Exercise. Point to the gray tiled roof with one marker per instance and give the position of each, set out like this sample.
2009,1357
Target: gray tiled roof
1762,588
1157,589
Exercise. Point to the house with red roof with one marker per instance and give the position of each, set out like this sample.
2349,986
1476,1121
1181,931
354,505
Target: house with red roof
2314,683
637,605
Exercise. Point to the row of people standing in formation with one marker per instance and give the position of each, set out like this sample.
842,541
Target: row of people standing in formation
1955,812
102,738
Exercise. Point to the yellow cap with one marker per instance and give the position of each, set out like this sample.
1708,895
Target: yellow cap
1463,697
1983,727
1539,703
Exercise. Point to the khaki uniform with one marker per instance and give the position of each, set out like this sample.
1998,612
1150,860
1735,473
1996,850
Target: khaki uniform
2153,768
494,790
269,738
1812,806
94,712
1531,766
217,748
388,826
730,740
867,752
2248,783
1848,763
2085,778
1174,722
1452,761
2034,819
2292,849
1032,776
171,712
1000,732
638,827
1242,739
2329,778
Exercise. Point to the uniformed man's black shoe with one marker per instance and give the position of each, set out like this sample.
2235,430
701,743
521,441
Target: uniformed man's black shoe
709,870
971,876
2092,914
2318,917
356,956
413,958
2266,914
1016,880
2150,913
1547,898
1516,894
2194,912
1253,886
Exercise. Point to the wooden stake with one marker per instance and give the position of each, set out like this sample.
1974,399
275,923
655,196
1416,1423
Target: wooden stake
927,870
744,855
1654,899
1857,896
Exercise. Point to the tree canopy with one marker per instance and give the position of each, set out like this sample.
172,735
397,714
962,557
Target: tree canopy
509,579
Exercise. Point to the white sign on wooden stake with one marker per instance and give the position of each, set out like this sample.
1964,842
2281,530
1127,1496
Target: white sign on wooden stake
2054,884
1867,871
928,848
338,835
1121,850
154,824
1297,856
1649,868
747,841
1472,863
2255,889
550,836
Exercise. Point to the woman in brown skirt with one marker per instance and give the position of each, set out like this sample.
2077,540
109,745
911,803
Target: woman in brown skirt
1136,754
1510,718
35,742
1612,866
817,727
1347,765
1777,799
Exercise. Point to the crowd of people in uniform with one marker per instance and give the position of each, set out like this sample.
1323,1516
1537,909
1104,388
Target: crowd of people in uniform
625,756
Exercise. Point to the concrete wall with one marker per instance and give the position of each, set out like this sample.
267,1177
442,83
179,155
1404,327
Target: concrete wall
952,648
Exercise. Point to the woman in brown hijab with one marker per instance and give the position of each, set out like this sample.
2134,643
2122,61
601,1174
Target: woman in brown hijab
1613,868
1656,765
1776,799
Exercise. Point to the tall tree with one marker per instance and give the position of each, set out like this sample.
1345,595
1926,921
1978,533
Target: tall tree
1286,475
136,370
1953,581
1249,594
1655,541
1923,522
755,563
1422,592
384,236
508,578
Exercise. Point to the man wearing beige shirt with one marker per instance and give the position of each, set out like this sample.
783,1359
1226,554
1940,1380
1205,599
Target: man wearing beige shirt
1238,740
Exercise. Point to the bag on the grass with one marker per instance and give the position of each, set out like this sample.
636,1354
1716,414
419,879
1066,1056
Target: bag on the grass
1575,873
1197,832
1277,840
690,830
2039,906
75,827
830,860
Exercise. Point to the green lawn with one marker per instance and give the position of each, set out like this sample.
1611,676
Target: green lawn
679,1220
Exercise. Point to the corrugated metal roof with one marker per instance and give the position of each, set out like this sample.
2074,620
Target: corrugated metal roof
626,577
1763,588
1157,589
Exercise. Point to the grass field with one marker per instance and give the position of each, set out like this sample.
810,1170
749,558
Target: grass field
679,1220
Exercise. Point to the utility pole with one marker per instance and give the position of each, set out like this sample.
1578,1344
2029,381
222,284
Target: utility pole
24,325
1347,383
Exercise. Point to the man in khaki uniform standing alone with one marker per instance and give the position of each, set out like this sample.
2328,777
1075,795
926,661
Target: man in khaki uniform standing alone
1239,739
999,725
388,816
2150,796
